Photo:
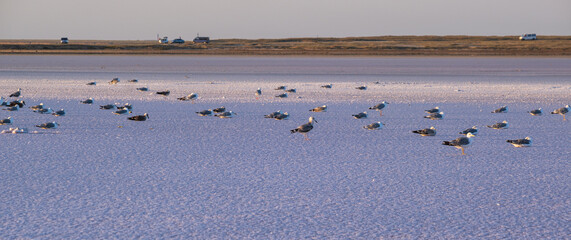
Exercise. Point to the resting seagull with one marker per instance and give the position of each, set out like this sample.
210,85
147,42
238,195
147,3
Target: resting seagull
426,132
305,128
472,130
273,114
280,88
91,83
282,116
361,88
379,107
220,109
6,121
283,95
37,107
319,109
17,93
225,114
143,117
433,110
87,101
460,142
205,112
192,97
59,113
501,125
435,116
536,112
561,111
143,89
327,86
49,125
524,142
114,81
503,109
45,111
164,93
360,115
374,126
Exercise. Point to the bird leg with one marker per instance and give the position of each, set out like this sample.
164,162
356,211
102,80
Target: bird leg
381,113
305,135
463,151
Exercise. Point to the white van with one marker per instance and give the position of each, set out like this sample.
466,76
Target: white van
528,36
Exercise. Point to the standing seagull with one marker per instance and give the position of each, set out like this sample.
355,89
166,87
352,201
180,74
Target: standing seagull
501,125
379,107
524,142
426,132
143,117
503,109
258,92
460,142
16,94
561,111
305,128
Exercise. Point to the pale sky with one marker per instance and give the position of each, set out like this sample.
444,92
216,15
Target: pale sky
255,19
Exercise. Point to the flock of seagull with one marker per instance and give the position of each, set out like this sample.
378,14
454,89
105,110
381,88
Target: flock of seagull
433,114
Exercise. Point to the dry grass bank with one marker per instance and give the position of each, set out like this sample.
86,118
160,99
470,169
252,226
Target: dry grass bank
381,46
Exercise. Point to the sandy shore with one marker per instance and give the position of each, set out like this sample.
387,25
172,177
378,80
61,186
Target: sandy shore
352,46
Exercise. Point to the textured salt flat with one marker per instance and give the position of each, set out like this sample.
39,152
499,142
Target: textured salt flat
180,175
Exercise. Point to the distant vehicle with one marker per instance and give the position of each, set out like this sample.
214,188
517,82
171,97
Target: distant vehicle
178,40
528,36
198,39
64,40
163,40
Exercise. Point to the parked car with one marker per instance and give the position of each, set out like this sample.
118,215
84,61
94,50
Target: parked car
64,40
528,36
178,40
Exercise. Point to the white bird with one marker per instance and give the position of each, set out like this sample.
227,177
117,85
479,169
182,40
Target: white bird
49,125
524,142
305,128
501,125
6,121
379,107
226,114
503,109
426,132
374,126
319,109
15,130
473,130
461,142
435,116
561,111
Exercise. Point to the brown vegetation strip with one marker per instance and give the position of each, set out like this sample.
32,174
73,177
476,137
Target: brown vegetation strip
353,46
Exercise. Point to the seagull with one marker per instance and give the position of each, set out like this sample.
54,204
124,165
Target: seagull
143,117
219,110
91,83
143,89
122,111
13,108
305,128
433,110
17,93
374,126
49,125
561,111
503,109
6,121
460,142
164,93
133,81
472,130
536,112
205,112
259,92
37,107
114,81
225,114
273,114
280,88
291,90
282,116
327,86
524,142
319,109
45,111
426,132
360,115
361,88
2,101
435,116
87,101
283,95
502,125
108,106
379,107
192,96
127,106
19,103
59,113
